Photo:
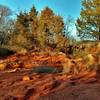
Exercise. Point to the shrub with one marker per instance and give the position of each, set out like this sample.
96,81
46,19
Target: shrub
5,52
67,67
44,69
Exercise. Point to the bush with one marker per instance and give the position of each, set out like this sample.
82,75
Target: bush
44,69
5,52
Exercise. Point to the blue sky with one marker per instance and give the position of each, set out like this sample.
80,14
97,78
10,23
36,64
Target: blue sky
61,7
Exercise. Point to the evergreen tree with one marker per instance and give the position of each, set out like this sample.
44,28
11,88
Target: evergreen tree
45,19
22,34
33,21
88,24
22,23
44,30
51,27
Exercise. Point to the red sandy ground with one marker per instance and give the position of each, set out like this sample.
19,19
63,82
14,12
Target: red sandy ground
85,86
57,86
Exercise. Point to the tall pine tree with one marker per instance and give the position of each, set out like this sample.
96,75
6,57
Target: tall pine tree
22,34
88,24
51,27
45,19
33,21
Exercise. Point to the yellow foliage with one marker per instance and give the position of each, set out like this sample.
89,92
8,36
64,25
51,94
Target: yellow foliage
90,59
67,66
88,25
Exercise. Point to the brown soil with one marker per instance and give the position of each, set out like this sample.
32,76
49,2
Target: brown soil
85,86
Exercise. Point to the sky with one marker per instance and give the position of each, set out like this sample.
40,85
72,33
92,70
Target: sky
62,7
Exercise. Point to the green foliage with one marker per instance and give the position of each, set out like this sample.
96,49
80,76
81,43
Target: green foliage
5,52
33,21
44,69
42,30
22,35
50,28
88,24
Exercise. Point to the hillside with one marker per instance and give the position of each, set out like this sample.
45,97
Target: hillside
75,78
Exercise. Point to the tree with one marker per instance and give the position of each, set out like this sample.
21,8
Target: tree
69,25
56,29
6,24
45,20
4,13
22,23
21,36
44,30
33,21
51,27
88,24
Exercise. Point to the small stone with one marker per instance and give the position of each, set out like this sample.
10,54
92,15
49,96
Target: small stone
26,78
